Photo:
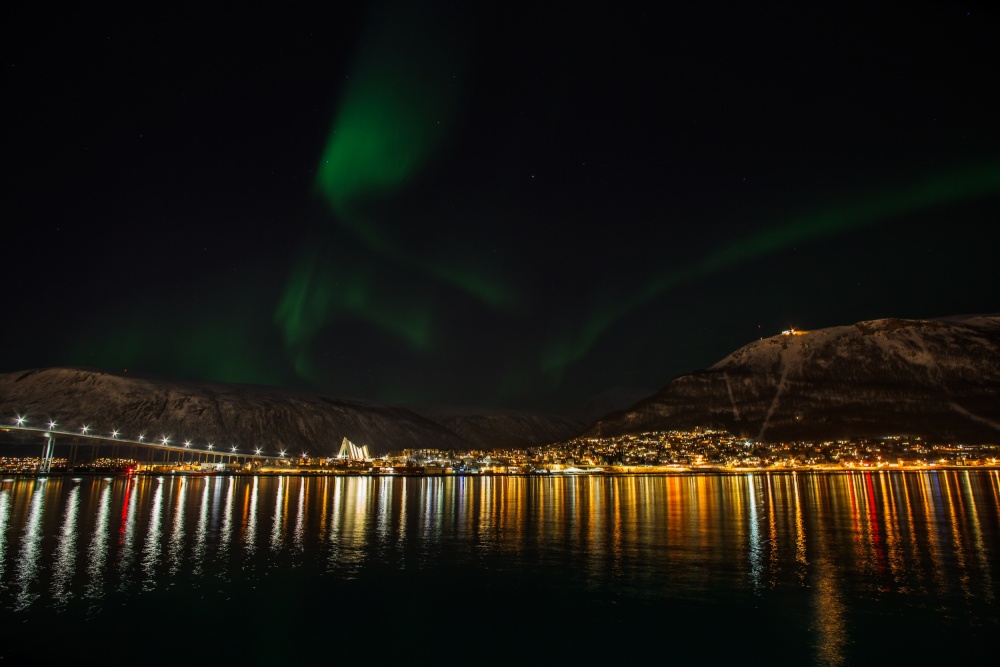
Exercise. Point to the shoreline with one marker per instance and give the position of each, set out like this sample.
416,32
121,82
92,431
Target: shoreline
632,472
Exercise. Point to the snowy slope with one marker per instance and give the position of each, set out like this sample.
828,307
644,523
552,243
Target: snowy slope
496,429
266,417
938,378
240,415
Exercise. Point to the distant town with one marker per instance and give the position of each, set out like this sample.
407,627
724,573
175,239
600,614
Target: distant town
697,450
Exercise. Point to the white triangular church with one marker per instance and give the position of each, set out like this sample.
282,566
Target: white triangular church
348,450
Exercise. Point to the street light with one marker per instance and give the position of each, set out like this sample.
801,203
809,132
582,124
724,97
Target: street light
21,421
114,433
211,446
52,425
187,443
84,429
141,437
166,441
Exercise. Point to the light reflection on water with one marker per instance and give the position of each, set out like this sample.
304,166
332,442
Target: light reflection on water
4,521
64,566
177,531
97,552
151,552
27,563
126,535
280,507
198,549
825,553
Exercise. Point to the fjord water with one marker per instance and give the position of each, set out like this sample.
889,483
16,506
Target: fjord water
778,568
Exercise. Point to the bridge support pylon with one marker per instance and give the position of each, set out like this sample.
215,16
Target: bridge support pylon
45,465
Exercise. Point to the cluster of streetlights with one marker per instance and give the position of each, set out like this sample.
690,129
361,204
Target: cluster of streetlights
22,421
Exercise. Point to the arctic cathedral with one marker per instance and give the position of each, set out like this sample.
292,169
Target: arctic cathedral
351,452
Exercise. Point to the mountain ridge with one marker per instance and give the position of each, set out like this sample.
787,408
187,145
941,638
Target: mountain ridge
937,378
274,419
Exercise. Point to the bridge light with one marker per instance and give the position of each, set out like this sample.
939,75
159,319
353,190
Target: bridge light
187,443
21,421
84,429
282,453
234,448
211,446
114,433
258,451
166,441
52,425
141,437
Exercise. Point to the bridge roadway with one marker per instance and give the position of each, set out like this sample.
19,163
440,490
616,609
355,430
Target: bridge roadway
208,452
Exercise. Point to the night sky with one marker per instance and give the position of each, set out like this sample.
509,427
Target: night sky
485,203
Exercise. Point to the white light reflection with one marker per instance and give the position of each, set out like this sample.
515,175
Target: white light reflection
198,551
177,534
276,525
382,527
336,512
430,515
300,516
65,561
227,518
152,550
4,520
97,553
27,565
400,528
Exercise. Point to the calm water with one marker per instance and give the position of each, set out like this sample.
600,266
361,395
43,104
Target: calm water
852,568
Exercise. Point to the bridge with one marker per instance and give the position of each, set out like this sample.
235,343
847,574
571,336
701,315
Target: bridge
184,450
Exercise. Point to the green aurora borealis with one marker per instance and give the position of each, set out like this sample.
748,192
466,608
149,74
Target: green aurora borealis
952,187
455,204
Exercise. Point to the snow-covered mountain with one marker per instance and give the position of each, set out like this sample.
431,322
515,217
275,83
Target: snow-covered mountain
935,378
611,400
497,429
251,416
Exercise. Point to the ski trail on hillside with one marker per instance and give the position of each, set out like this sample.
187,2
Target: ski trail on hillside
732,399
929,361
937,375
777,396
976,418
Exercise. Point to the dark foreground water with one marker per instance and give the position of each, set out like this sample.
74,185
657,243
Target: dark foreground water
853,568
